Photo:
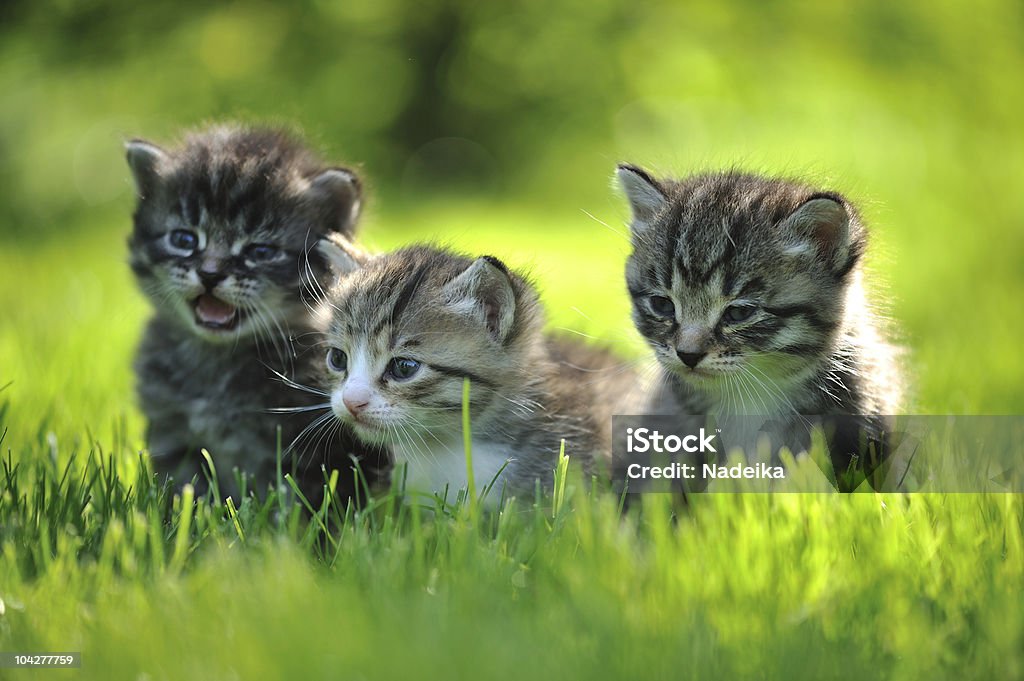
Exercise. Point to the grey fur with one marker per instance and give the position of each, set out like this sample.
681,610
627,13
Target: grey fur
787,254
236,189
467,318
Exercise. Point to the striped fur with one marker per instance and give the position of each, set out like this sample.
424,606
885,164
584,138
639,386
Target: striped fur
462,318
255,202
756,282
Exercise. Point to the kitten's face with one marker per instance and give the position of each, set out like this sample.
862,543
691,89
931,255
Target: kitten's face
737,282
218,281
224,233
406,330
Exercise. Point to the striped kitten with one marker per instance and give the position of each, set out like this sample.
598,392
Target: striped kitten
406,328
222,239
749,290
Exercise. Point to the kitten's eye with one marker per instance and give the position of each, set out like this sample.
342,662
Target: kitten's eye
337,360
262,252
734,314
183,240
403,368
662,306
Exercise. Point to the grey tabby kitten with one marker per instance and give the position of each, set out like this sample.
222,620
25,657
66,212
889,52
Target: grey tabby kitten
222,244
406,328
749,290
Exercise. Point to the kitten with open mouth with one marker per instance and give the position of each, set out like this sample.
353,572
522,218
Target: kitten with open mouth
213,313
223,244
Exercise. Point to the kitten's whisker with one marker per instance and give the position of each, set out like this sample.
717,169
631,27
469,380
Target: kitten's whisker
262,329
316,288
293,384
581,313
769,385
398,436
411,447
744,398
575,332
324,436
751,388
416,432
527,405
296,410
309,333
305,432
604,224
261,311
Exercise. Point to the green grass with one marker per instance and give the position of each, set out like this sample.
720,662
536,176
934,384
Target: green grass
911,109
761,586
95,557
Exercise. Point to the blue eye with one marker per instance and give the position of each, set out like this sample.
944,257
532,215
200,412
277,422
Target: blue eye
183,240
261,252
337,360
734,314
662,306
403,368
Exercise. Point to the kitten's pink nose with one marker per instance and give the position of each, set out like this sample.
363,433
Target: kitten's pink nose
356,400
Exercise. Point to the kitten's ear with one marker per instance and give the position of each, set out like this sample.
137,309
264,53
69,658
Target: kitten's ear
341,255
145,160
484,292
822,226
339,195
646,196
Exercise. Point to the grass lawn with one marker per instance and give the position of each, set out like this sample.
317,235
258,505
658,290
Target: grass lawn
495,128
95,558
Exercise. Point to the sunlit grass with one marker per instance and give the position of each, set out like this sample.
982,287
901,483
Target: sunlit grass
95,557
763,586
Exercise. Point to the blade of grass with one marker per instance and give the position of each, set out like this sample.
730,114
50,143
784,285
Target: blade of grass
467,444
181,539
234,518
561,472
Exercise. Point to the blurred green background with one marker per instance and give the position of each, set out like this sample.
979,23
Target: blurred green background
495,127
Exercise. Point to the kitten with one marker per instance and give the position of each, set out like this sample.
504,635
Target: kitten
222,245
749,290
405,329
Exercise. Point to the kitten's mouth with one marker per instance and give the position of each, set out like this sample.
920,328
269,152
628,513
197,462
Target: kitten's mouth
698,373
368,431
213,313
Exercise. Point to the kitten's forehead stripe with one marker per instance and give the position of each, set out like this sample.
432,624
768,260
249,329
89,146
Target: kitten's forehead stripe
752,286
701,275
242,197
383,321
190,209
408,290
729,287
